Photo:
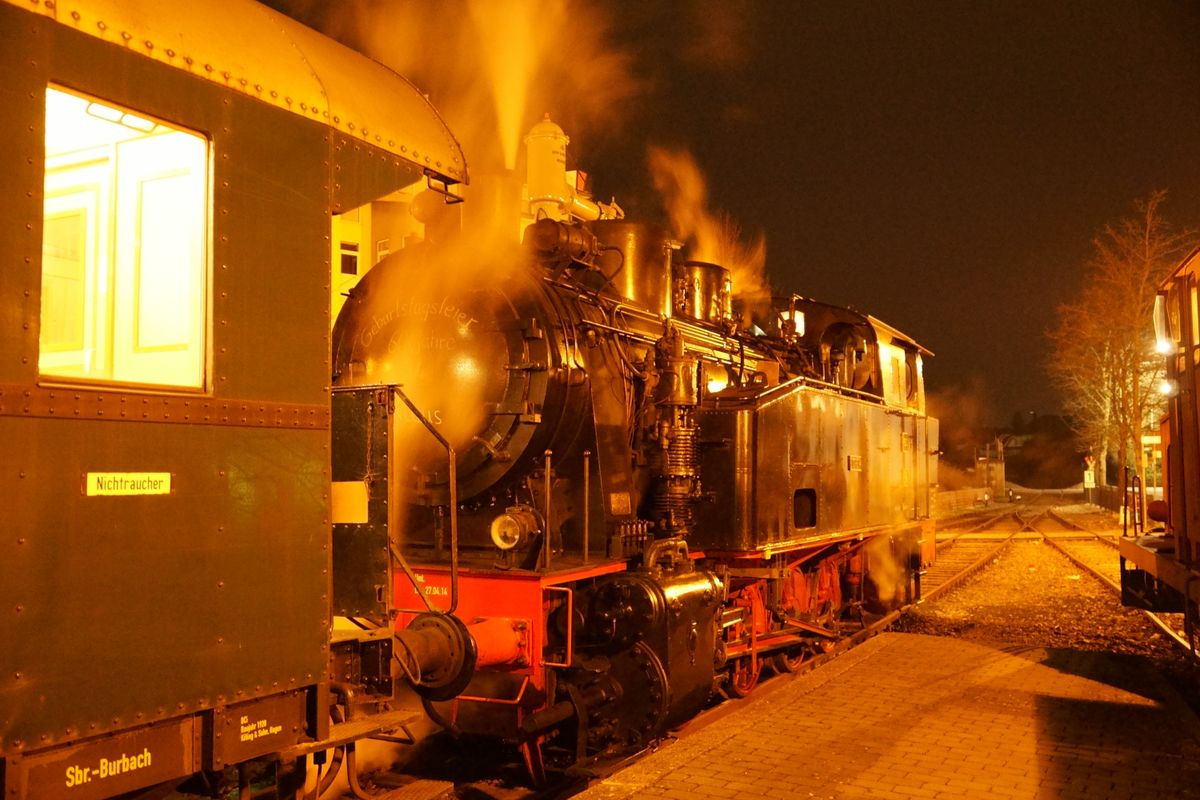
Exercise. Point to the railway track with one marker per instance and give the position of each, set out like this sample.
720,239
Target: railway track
962,552
1101,559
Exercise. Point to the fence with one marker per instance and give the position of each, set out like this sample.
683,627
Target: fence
945,503
1110,498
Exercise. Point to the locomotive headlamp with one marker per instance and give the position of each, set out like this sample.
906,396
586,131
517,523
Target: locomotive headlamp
513,528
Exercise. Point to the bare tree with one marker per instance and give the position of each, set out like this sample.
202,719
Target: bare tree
1103,359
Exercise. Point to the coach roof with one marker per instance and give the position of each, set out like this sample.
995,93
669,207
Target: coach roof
252,49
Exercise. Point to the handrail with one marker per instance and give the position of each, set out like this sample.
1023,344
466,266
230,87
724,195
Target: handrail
1139,502
1124,502
1132,503
453,480
394,390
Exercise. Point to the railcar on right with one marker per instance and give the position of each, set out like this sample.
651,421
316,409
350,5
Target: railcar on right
1161,571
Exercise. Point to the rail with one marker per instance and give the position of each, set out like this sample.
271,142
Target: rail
452,473
1185,642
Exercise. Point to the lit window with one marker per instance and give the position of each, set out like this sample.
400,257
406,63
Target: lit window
124,247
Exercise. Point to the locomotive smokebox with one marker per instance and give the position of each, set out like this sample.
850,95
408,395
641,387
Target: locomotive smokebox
479,358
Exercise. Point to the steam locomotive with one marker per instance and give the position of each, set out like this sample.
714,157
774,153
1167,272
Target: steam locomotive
565,484
643,494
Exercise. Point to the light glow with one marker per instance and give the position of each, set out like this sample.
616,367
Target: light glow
717,384
715,377
512,529
793,316
124,247
466,368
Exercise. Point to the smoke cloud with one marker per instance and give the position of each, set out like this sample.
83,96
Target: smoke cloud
493,67
712,236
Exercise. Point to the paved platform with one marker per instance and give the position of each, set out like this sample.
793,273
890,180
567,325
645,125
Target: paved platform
914,716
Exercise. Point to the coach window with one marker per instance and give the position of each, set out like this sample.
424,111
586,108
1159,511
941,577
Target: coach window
124,247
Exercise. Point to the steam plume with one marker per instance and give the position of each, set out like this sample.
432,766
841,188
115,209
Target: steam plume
712,236
492,67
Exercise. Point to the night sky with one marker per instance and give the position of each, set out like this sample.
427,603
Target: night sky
940,165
